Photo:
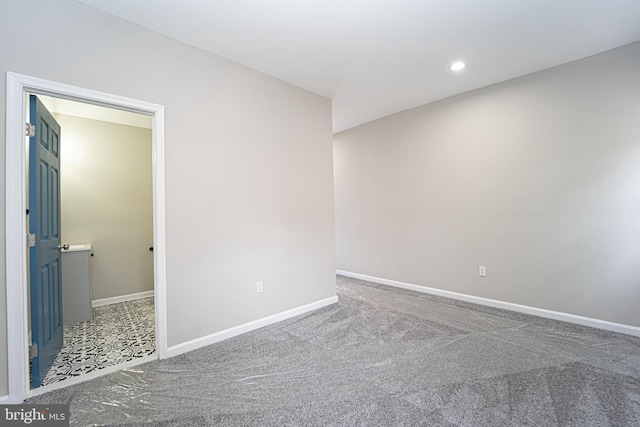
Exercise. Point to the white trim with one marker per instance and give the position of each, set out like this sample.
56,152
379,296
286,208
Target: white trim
15,221
121,298
91,375
15,255
541,312
247,327
159,232
4,399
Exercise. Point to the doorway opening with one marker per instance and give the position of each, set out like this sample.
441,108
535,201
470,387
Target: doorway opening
103,299
18,86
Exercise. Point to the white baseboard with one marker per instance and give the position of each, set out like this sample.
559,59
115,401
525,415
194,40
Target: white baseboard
4,400
541,312
247,327
121,298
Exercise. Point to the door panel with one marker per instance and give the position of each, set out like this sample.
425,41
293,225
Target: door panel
44,222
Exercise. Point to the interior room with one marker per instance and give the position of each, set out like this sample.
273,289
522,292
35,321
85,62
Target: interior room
336,213
106,223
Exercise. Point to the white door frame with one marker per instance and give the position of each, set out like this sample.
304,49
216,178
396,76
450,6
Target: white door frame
15,220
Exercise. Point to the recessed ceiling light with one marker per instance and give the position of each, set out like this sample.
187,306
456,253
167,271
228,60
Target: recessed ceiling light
457,66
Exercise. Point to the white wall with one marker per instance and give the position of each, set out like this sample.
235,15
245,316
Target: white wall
249,180
106,200
537,178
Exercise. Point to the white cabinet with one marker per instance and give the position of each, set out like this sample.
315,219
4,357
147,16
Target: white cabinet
76,284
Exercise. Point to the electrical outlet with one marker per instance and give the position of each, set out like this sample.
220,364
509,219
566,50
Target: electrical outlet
482,271
259,287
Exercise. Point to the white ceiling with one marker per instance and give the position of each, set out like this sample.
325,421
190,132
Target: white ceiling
379,57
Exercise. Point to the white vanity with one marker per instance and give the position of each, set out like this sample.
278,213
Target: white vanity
76,284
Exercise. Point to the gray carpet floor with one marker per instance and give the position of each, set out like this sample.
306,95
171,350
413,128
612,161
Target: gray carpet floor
381,357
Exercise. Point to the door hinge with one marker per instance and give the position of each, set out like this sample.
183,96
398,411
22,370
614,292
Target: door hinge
33,351
31,240
30,130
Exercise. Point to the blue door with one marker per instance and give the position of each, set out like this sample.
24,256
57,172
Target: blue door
44,223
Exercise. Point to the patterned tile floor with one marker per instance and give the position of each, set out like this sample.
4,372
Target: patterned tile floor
118,333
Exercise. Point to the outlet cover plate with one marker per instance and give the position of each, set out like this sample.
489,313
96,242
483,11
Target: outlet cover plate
482,271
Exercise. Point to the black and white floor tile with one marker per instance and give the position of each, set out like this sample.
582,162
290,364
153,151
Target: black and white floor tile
118,333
